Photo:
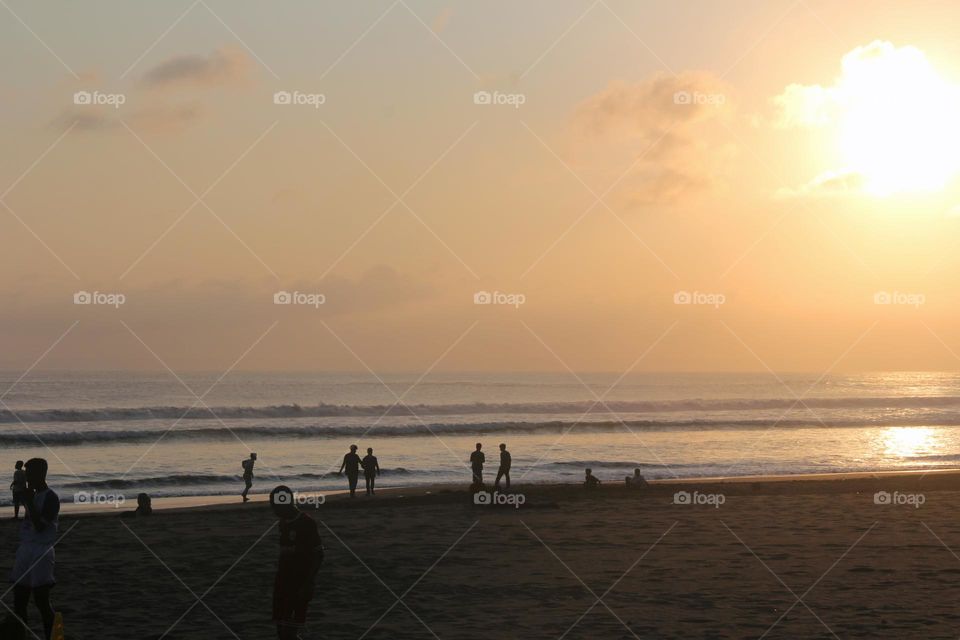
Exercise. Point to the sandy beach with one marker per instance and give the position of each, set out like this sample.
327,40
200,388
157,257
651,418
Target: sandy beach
813,557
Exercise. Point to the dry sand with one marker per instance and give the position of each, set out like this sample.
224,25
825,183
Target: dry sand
810,558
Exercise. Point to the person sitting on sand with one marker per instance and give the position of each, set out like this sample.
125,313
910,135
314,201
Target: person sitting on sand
301,554
476,465
17,486
352,463
144,507
590,481
32,572
504,470
636,481
248,474
371,469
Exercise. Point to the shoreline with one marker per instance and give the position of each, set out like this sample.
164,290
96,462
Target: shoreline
807,483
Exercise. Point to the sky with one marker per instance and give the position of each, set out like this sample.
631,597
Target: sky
489,186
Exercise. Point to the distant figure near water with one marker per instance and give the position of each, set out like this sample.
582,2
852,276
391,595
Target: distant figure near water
636,481
248,474
590,481
32,572
351,462
301,554
504,470
17,487
476,465
371,469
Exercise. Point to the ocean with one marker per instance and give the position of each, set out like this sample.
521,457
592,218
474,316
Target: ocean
119,433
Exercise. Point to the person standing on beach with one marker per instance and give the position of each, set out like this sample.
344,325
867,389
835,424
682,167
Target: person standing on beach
301,554
504,470
248,474
17,487
476,464
371,469
32,572
351,462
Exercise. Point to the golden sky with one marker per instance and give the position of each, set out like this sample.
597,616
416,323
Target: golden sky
697,186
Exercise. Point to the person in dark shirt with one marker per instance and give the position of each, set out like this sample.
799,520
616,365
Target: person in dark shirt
504,470
590,481
371,469
476,465
351,462
32,573
248,474
301,554
17,487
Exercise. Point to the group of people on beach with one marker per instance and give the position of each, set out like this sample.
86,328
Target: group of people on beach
352,463
301,549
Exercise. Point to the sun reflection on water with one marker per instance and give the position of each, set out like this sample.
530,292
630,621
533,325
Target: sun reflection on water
907,442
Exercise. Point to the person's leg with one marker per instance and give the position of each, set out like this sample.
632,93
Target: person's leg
247,482
367,479
496,483
373,482
41,598
21,598
506,475
16,509
352,478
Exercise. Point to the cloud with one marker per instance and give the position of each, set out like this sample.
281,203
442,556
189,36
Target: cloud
222,67
663,120
831,183
152,119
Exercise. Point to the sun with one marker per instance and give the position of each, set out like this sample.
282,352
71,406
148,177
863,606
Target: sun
898,120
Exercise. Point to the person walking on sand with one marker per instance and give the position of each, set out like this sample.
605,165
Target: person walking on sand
17,487
476,465
301,554
371,469
351,462
504,470
248,474
32,572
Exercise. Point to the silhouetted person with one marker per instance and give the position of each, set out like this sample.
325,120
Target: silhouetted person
301,554
476,464
636,481
248,474
371,469
504,470
351,462
590,481
33,566
17,486
144,507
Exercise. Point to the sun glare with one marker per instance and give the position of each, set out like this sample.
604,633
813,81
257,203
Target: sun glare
908,441
899,123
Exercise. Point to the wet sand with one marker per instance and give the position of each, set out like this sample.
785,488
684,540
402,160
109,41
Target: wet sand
814,557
